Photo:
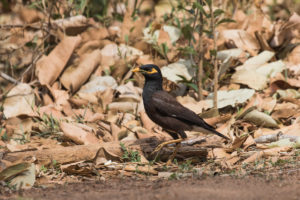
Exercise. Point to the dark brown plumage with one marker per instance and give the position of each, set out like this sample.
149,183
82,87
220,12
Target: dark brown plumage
164,110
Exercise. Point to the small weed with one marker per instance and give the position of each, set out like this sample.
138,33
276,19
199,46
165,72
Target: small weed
174,176
44,169
4,137
190,83
49,124
56,166
282,162
129,155
80,118
186,166
10,186
297,152
22,139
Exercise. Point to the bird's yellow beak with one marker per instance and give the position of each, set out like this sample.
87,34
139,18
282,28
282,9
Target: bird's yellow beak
136,69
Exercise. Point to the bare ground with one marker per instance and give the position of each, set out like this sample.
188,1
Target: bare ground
281,187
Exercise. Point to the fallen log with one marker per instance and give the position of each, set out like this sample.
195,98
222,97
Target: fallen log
62,155
109,150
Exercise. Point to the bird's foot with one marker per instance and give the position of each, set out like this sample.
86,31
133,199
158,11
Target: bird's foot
169,162
160,146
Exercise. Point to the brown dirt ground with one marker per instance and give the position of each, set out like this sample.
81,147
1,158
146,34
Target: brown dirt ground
284,187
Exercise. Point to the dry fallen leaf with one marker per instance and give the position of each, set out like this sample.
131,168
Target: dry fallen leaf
232,97
255,72
19,101
220,153
111,53
286,31
265,153
74,77
293,57
13,170
25,180
242,40
30,15
181,68
76,133
48,68
260,119
72,25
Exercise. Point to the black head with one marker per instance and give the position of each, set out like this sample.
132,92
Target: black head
150,71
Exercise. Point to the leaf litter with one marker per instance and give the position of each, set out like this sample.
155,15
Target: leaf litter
76,109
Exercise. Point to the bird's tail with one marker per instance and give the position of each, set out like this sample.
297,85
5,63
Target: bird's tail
206,128
219,134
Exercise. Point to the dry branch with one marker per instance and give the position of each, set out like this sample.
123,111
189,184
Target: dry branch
78,153
61,155
215,64
201,56
8,78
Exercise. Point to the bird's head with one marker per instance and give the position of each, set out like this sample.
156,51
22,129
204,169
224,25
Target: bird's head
150,71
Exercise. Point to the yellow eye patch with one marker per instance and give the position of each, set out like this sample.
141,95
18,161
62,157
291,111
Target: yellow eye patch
153,71
137,69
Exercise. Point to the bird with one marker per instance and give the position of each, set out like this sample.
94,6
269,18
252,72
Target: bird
163,109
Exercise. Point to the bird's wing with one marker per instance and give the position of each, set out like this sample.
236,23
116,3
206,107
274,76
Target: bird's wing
167,105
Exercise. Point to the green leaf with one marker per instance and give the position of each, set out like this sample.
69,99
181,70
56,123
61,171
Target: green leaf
218,12
213,52
225,20
188,83
208,2
130,79
33,42
187,31
193,85
180,5
165,17
126,39
184,80
132,28
200,7
177,22
165,48
187,50
208,32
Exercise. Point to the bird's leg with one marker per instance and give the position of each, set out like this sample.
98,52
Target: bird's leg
159,147
178,145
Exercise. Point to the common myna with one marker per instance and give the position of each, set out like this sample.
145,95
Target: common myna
164,110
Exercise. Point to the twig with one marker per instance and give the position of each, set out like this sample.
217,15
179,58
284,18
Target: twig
129,129
193,30
9,78
212,24
201,57
10,26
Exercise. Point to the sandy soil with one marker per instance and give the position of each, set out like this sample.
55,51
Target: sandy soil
287,187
